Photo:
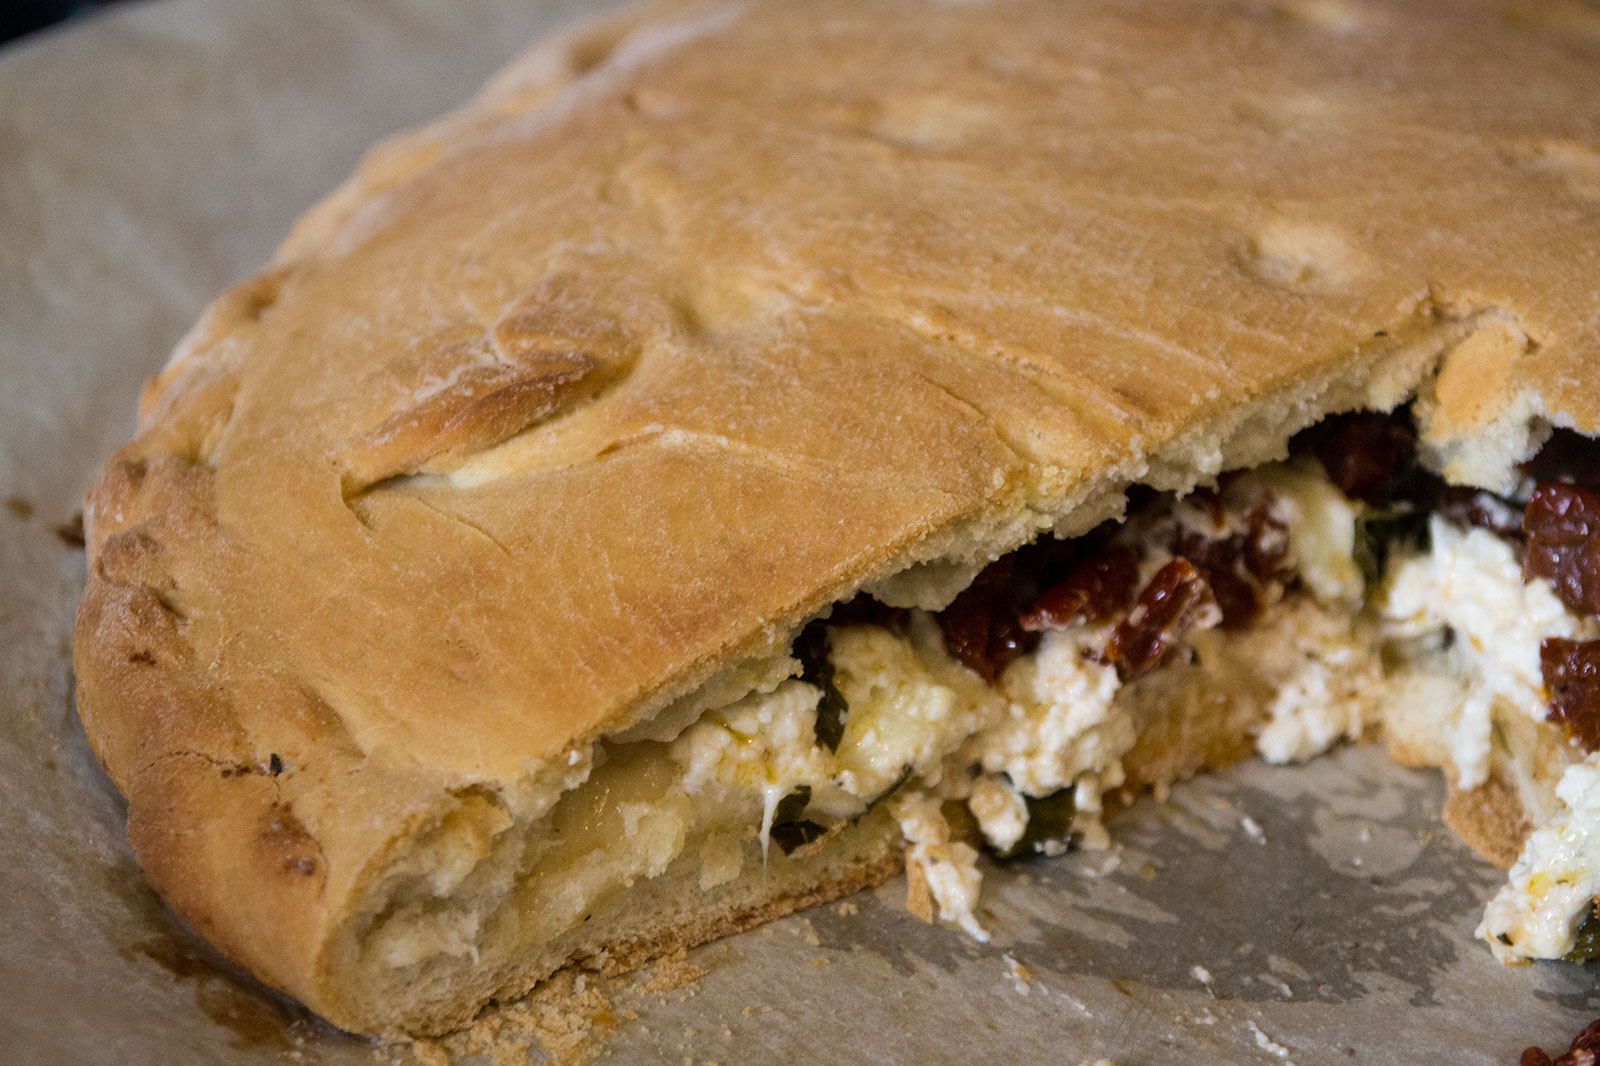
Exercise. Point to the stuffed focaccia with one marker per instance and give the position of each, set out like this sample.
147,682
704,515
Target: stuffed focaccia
757,446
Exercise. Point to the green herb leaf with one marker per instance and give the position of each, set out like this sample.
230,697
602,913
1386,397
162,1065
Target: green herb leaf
789,830
816,668
1049,818
1588,942
1378,532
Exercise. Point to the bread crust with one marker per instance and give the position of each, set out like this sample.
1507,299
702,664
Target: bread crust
698,319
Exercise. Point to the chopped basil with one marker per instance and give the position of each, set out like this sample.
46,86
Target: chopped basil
1587,945
816,668
1049,818
789,830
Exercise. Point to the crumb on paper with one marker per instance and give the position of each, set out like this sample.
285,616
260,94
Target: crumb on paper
749,1011
672,973
819,963
568,1016
1277,983
847,908
1267,1044
1109,864
1252,829
1147,872
1020,975
1201,974
808,933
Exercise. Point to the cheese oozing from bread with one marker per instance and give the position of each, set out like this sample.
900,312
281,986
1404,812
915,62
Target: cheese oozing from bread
1438,649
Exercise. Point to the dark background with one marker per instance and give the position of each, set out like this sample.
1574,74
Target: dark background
18,17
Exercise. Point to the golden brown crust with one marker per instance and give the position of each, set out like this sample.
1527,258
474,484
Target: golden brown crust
698,320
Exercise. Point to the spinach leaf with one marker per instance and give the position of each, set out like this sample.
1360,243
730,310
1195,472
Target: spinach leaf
816,668
1049,818
1588,943
789,830
1377,536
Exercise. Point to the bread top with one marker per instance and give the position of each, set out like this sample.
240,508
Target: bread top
700,318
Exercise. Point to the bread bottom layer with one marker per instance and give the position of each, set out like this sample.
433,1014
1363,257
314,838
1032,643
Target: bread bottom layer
627,925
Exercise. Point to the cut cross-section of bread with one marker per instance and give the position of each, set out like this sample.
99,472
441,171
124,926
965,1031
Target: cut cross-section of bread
758,446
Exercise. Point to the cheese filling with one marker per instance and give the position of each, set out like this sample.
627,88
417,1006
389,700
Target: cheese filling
1294,635
1055,724
1445,646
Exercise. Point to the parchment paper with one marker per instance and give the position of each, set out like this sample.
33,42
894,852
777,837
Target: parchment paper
152,155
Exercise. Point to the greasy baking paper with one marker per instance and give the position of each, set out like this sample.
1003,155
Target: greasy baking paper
154,154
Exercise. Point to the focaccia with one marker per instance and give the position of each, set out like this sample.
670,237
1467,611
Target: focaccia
757,446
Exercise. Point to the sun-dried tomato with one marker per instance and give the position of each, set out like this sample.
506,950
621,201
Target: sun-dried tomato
981,628
1238,566
1571,671
1563,527
1585,1050
1266,544
1569,457
1094,591
1369,455
1176,602
1469,507
1221,563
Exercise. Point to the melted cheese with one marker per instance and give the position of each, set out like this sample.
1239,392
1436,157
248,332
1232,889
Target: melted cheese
1555,880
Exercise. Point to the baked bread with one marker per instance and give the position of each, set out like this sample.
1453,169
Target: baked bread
461,610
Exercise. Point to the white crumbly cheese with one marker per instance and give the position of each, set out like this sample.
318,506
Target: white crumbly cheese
1323,521
1470,582
949,869
764,743
910,704
1326,678
1001,813
763,740
1537,914
1060,721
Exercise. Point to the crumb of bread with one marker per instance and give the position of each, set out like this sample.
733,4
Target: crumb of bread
569,1017
919,900
672,973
